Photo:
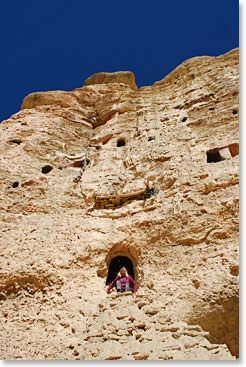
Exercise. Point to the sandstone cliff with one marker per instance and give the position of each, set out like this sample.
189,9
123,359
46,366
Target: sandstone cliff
107,175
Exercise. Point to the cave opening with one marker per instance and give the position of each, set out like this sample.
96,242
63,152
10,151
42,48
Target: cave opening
213,156
46,169
16,141
116,264
222,153
121,142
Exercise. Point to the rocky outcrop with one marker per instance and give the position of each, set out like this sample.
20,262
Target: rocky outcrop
125,77
109,174
59,98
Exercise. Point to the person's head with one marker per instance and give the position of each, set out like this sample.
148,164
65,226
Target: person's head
123,272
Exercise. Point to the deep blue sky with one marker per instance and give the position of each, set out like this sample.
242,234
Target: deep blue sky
57,44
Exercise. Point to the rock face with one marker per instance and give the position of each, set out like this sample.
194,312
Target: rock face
110,175
125,77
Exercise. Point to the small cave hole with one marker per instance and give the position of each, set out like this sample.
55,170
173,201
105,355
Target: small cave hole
211,108
151,138
235,111
121,142
15,184
16,141
116,264
222,153
46,169
150,192
213,156
184,119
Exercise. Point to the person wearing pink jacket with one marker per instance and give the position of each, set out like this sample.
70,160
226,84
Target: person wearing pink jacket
123,282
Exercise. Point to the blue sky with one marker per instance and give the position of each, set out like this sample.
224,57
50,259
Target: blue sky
57,44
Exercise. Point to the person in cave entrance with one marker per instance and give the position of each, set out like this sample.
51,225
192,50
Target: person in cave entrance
123,282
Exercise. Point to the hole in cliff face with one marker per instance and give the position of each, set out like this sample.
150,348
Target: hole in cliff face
123,255
184,119
15,184
213,156
222,322
46,169
121,142
15,141
116,264
235,111
151,138
225,152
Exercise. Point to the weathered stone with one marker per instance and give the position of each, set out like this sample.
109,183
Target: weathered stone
121,317
141,304
107,171
151,311
171,329
140,357
60,98
113,357
196,283
125,77
122,332
113,337
140,324
234,270
125,294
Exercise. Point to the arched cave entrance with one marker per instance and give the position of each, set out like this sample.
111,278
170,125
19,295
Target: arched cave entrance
122,254
116,264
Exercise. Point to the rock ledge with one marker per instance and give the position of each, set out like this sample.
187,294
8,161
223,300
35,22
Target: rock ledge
126,77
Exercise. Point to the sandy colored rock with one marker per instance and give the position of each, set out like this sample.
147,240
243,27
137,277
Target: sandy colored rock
108,171
59,98
125,77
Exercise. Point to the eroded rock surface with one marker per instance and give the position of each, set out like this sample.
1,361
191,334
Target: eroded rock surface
125,77
106,171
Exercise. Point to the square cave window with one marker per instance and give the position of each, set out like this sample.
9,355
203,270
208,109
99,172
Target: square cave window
213,156
219,154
